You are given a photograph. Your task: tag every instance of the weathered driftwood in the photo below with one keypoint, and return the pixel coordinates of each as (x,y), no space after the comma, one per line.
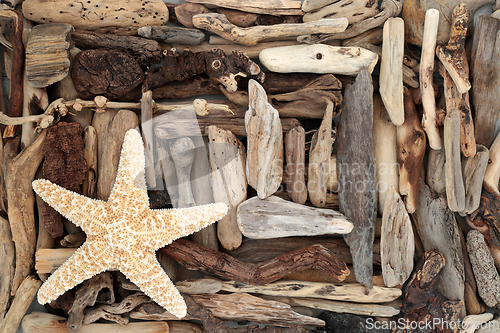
(184,13)
(384,151)
(273,7)
(485,85)
(492,174)
(397,244)
(169,34)
(391,76)
(332,184)
(220,25)
(473,170)
(144,51)
(89,185)
(318,58)
(295,141)
(356,174)
(345,292)
(423,301)
(274,217)
(183,327)
(487,279)
(438,229)
(7,253)
(74,240)
(113,312)
(65,88)
(319,159)
(199,286)
(240,18)
(455,190)
(227,158)
(373,37)
(264,167)
(435,176)
(24,296)
(48,323)
(411,150)
(121,18)
(354,11)
(429,119)
(182,151)
(473,323)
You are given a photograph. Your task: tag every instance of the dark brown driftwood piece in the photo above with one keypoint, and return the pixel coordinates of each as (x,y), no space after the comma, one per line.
(423,301)
(198,257)
(356,174)
(63,165)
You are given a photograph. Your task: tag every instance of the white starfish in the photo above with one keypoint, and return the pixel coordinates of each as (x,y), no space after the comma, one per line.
(123,233)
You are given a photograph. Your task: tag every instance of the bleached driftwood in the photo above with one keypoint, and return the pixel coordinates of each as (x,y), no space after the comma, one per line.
(355,11)
(473,171)
(435,176)
(295,141)
(391,75)
(274,217)
(318,58)
(272,7)
(264,167)
(7,253)
(474,322)
(455,190)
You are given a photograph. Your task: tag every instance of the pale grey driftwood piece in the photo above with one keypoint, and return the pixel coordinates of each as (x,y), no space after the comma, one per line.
(170,34)
(377,310)
(271,7)
(473,171)
(354,10)
(455,190)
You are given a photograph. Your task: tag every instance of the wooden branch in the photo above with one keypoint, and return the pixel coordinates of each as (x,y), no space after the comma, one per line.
(198,257)
(144,51)
(318,58)
(24,296)
(7,255)
(355,152)
(112,312)
(354,11)
(185,12)
(429,120)
(473,171)
(373,37)
(274,217)
(169,34)
(295,164)
(455,190)
(220,25)
(273,7)
(182,152)
(435,177)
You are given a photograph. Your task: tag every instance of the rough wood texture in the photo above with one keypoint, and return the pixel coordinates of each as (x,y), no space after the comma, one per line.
(391,75)
(423,301)
(356,174)
(274,217)
(487,279)
(197,257)
(47,54)
(473,171)
(318,58)
(169,34)
(63,165)
(435,176)
(185,12)
(114,312)
(121,18)
(354,11)
(7,253)
(239,18)
(397,243)
(295,142)
(455,190)
(273,7)
(485,83)
(227,158)
(89,185)
(411,150)
(107,72)
(264,167)
(220,25)
(438,229)
(144,51)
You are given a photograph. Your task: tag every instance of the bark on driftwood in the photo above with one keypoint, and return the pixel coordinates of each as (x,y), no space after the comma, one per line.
(169,34)
(355,152)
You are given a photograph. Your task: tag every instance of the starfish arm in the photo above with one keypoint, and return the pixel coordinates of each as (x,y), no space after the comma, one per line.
(178,223)
(73,206)
(150,277)
(82,265)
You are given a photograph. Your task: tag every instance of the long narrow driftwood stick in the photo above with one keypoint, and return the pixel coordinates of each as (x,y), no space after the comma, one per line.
(455,190)
(7,253)
(473,171)
(295,164)
(273,7)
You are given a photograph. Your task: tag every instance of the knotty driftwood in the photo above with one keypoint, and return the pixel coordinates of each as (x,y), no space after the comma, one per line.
(354,11)
(274,217)
(355,169)
(423,301)
(273,7)
(168,34)
(295,142)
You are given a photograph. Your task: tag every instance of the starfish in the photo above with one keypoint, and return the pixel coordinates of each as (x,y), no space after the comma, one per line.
(123,233)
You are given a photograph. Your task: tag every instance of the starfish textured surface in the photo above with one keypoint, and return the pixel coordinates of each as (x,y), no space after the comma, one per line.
(123,233)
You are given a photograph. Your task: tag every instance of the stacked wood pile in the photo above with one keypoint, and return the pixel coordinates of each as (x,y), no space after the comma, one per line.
(358,160)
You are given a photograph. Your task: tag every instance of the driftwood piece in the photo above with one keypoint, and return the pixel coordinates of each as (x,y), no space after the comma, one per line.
(64,165)
(318,58)
(355,153)
(423,301)
(144,51)
(74,240)
(185,12)
(492,174)
(384,151)
(7,253)
(274,217)
(107,72)
(455,190)
(391,75)
(473,323)
(354,11)
(435,176)
(220,25)
(273,7)
(183,327)
(373,37)
(487,279)
(47,54)
(295,141)
(264,167)
(438,229)
(182,152)
(240,18)
(485,85)
(42,322)
(112,312)
(121,18)
(429,119)
(411,150)
(227,158)
(397,244)
(473,171)
(24,296)
(89,185)
(169,34)
(197,257)
(199,286)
